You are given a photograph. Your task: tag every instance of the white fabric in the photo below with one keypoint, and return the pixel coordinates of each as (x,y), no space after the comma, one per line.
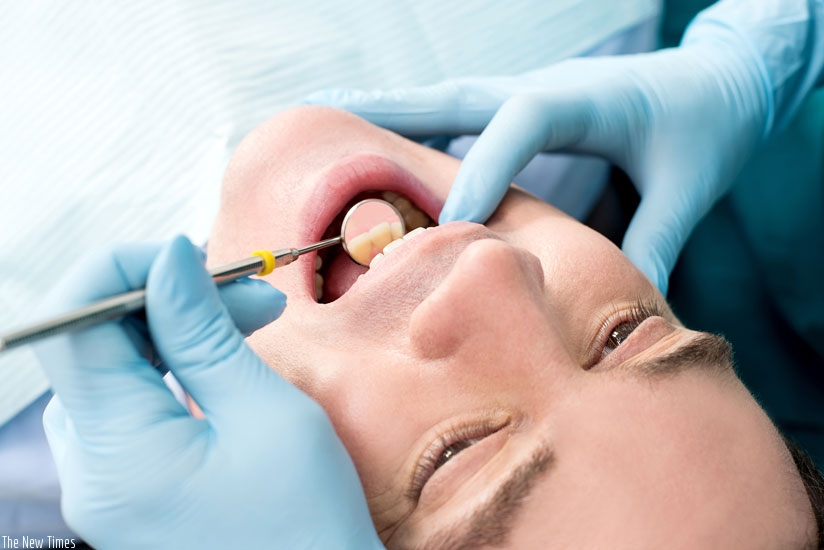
(117,120)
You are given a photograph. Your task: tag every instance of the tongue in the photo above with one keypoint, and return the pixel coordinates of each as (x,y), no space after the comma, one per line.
(341,275)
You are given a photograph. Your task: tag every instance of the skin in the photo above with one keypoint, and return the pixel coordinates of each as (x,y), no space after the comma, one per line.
(496,327)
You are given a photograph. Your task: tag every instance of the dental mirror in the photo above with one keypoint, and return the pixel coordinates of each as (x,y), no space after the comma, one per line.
(369,226)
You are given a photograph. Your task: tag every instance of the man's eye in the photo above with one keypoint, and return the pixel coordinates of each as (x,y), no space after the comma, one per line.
(430,462)
(622,323)
(619,334)
(452,450)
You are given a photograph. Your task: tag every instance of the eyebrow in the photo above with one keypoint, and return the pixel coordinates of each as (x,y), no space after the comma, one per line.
(492,521)
(705,351)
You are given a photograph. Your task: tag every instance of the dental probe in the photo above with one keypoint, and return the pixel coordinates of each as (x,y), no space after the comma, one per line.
(366,213)
(262,262)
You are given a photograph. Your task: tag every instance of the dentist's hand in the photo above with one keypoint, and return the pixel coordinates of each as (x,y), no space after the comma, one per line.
(680,122)
(265,468)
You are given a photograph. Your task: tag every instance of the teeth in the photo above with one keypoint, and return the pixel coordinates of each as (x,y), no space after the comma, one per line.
(381,235)
(360,248)
(397,230)
(412,234)
(403,205)
(318,286)
(366,248)
(366,245)
(392,246)
(395,244)
(413,217)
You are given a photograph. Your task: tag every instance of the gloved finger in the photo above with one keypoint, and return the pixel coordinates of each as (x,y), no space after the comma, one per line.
(657,234)
(248,302)
(196,337)
(56,427)
(66,449)
(245,299)
(453,107)
(102,379)
(523,127)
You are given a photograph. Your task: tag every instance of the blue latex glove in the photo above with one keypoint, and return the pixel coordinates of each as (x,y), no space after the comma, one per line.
(680,122)
(265,469)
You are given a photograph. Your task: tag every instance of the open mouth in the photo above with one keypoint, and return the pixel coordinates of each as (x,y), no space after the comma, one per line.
(335,271)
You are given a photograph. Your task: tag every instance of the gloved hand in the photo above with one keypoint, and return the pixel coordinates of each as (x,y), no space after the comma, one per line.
(265,468)
(680,122)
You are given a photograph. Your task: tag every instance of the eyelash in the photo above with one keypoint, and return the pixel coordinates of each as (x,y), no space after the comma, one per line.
(639,312)
(431,459)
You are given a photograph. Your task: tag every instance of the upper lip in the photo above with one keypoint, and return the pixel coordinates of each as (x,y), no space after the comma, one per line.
(343,181)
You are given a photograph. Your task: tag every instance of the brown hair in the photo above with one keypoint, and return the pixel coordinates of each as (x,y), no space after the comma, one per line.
(813,484)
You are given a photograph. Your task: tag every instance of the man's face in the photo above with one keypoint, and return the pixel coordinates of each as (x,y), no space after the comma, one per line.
(520,376)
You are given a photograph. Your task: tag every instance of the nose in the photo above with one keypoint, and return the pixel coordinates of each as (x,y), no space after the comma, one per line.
(482,339)
(494,293)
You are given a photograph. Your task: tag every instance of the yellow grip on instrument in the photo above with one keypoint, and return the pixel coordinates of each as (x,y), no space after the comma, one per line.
(268,261)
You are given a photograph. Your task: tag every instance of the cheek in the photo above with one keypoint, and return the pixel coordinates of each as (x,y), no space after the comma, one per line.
(373,400)
(378,408)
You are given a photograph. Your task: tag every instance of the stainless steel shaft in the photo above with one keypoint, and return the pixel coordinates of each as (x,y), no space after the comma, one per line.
(116,307)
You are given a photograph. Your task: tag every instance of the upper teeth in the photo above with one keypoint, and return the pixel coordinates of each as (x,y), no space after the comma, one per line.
(395,244)
(412,234)
(364,247)
(413,217)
